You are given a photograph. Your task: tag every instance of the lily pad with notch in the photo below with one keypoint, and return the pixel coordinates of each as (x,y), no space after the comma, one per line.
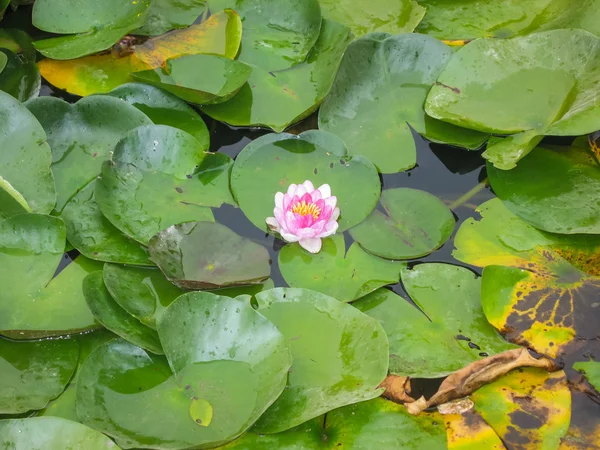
(343,275)
(271,163)
(208,255)
(413,223)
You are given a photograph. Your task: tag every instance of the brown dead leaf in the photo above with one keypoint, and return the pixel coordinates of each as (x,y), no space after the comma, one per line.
(397,389)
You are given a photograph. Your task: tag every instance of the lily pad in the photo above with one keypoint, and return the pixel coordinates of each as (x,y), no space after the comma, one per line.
(362,16)
(201,327)
(19,77)
(339,355)
(25,158)
(32,306)
(332,271)
(364,425)
(218,35)
(413,224)
(11,202)
(165,15)
(449,331)
(145,293)
(547,86)
(277,34)
(116,319)
(271,163)
(379,95)
(160,176)
(277,99)
(553,189)
(95,237)
(163,108)
(91,26)
(33,373)
(52,433)
(82,136)
(537,288)
(221,78)
(591,370)
(204,255)
(119,380)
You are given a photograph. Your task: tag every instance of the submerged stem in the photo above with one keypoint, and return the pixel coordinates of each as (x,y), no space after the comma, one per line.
(469,195)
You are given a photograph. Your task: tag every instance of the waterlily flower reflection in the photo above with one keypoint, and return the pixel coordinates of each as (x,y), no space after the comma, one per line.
(305,215)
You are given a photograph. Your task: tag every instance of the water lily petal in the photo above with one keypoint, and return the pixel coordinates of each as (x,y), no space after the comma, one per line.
(316,195)
(308,186)
(279,200)
(279,215)
(287,237)
(273,224)
(287,201)
(312,245)
(325,190)
(292,189)
(335,215)
(331,201)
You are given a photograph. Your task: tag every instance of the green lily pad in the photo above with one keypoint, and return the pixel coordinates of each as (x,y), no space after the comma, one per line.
(18,77)
(591,370)
(277,99)
(340,355)
(362,16)
(116,319)
(18,42)
(365,425)
(165,15)
(52,433)
(32,306)
(448,19)
(94,236)
(145,293)
(373,105)
(119,380)
(553,189)
(332,271)
(11,201)
(201,327)
(160,176)
(25,158)
(33,373)
(449,331)
(271,163)
(91,26)
(163,108)
(220,35)
(538,288)
(277,34)
(547,86)
(82,136)
(204,255)
(3,61)
(221,78)
(414,223)
(64,405)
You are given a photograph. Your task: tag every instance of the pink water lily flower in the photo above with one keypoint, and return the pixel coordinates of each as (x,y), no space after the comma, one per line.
(305,215)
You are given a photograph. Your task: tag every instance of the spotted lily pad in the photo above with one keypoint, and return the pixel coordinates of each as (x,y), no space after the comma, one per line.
(277,34)
(343,275)
(538,288)
(547,86)
(82,136)
(19,76)
(163,108)
(279,98)
(221,78)
(363,16)
(553,189)
(204,255)
(25,158)
(31,246)
(412,224)
(379,94)
(201,327)
(165,15)
(91,26)
(447,333)
(349,348)
(160,176)
(95,237)
(218,35)
(34,373)
(271,163)
(591,370)
(52,433)
(116,319)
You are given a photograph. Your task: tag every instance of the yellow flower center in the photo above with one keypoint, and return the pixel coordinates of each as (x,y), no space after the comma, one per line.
(305,209)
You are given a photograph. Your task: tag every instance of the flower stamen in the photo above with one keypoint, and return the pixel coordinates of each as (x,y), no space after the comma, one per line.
(304,209)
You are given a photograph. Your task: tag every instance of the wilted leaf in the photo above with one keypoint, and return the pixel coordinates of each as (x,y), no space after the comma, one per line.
(468,431)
